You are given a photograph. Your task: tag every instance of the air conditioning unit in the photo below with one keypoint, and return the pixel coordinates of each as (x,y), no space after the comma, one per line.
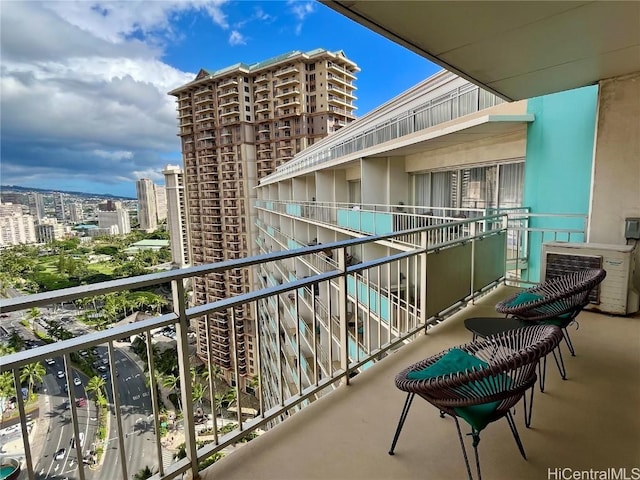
(617,293)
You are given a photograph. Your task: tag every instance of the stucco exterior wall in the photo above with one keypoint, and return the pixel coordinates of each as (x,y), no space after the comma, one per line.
(616,179)
(486,150)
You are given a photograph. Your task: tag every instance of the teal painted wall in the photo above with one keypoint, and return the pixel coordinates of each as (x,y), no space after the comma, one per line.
(557,175)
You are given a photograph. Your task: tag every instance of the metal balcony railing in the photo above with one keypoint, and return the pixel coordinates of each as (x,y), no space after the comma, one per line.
(368,309)
(456,103)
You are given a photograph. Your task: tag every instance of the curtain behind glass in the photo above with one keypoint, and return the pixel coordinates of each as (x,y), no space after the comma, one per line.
(511,185)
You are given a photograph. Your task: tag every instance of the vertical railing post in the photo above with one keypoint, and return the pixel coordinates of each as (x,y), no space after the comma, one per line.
(179,307)
(116,409)
(154,401)
(342,306)
(23,424)
(74,413)
(424,245)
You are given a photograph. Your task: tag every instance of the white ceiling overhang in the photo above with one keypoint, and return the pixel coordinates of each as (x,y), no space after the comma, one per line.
(517,50)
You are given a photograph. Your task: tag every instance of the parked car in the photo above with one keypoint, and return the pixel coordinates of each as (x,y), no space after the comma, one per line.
(77,382)
(60,454)
(103,368)
(104,376)
(60,374)
(50,361)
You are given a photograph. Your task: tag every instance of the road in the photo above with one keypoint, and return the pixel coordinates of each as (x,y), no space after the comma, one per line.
(137,419)
(60,431)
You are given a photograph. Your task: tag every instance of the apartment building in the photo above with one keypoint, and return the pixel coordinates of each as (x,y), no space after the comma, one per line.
(147,215)
(177,221)
(442,151)
(59,206)
(36,205)
(116,222)
(49,230)
(15,227)
(76,212)
(236,126)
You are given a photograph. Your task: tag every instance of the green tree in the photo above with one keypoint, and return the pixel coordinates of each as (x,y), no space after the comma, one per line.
(197,393)
(15,342)
(144,474)
(96,385)
(32,373)
(7,387)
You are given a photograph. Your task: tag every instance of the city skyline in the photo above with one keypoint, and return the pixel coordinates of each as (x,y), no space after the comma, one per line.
(85,103)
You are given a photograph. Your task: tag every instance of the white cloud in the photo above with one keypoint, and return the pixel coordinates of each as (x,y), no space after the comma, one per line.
(82,99)
(115,21)
(113,155)
(236,38)
(300,10)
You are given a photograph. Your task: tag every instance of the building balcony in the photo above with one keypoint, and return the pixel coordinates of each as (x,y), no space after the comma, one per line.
(350,414)
(344,81)
(286,71)
(287,81)
(339,91)
(203,98)
(336,100)
(226,113)
(334,67)
(228,82)
(261,79)
(262,108)
(287,93)
(233,101)
(261,88)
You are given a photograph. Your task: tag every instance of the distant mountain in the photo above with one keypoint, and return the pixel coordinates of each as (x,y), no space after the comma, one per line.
(16,188)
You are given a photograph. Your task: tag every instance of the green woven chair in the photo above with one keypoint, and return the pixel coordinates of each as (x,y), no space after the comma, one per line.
(557,301)
(479,382)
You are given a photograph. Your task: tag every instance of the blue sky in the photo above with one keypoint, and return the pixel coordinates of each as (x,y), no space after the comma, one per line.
(84,104)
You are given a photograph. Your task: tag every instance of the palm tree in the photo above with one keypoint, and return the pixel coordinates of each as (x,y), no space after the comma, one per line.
(197,393)
(144,474)
(32,373)
(32,314)
(171,382)
(96,386)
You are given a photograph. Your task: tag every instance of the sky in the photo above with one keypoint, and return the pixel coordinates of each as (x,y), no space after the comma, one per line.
(84,104)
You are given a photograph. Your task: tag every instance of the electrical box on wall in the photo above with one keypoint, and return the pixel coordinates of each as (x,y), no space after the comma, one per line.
(632,228)
(616,294)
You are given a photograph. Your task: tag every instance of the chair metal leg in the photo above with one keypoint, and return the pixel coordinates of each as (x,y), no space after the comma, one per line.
(403,417)
(464,450)
(560,362)
(542,372)
(567,339)
(527,414)
(514,431)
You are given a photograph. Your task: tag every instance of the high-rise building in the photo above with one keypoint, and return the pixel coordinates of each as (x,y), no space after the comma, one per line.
(161,203)
(15,227)
(238,125)
(109,206)
(58,203)
(177,223)
(76,212)
(48,230)
(36,205)
(118,218)
(147,216)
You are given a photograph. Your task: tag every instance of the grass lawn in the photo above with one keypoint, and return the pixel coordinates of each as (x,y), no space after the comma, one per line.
(105,268)
(50,264)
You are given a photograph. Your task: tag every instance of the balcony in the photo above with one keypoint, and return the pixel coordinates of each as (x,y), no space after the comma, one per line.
(341,70)
(367,412)
(286,71)
(352,424)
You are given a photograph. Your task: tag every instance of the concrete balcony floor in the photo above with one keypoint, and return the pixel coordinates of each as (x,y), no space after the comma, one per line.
(589,421)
